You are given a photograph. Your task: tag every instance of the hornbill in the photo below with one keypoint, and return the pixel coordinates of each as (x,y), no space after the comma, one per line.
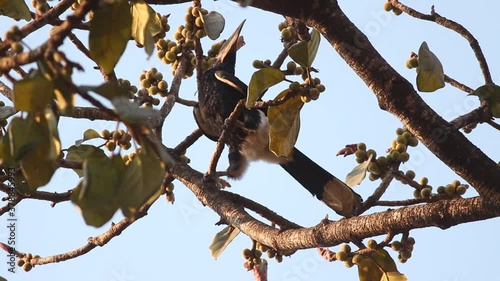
(219,93)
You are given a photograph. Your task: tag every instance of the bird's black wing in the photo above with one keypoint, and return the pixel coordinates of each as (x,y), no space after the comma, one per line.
(207,130)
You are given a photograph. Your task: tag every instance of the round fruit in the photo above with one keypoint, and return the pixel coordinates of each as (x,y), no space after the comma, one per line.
(361,146)
(425,192)
(388,6)
(372,244)
(110,145)
(105,134)
(361,154)
(405,254)
(298,71)
(282,25)
(450,190)
(461,189)
(286,34)
(290,66)
(314,93)
(410,174)
(345,248)
(341,255)
(294,86)
(162,85)
(396,245)
(397,11)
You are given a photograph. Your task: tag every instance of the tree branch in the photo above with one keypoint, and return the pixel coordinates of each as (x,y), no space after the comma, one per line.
(442,214)
(100,240)
(458,28)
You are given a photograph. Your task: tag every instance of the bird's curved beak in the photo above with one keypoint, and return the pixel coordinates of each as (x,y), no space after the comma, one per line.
(233,43)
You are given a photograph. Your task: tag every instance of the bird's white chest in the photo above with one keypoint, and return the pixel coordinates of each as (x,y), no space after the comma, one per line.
(256,144)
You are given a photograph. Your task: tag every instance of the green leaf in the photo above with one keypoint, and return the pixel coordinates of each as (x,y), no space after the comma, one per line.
(25,135)
(65,97)
(83,152)
(16,9)
(222,240)
(313,46)
(304,52)
(88,135)
(131,112)
(6,112)
(6,157)
(284,124)
(50,126)
(37,169)
(490,93)
(33,93)
(41,162)
(357,174)
(21,183)
(109,34)
(213,24)
(141,182)
(261,80)
(379,266)
(145,24)
(430,74)
(109,90)
(96,194)
(154,26)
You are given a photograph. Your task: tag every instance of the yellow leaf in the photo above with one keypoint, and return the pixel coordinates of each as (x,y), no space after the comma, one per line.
(110,30)
(222,240)
(430,74)
(261,80)
(16,9)
(304,52)
(145,24)
(284,124)
(33,93)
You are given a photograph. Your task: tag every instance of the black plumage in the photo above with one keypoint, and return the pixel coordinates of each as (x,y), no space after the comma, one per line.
(219,93)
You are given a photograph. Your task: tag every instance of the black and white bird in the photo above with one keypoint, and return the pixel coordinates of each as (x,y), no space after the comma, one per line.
(219,93)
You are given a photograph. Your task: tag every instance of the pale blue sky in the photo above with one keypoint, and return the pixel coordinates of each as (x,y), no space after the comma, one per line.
(171,243)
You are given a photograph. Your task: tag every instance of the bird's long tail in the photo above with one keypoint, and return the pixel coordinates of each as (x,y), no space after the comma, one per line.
(325,186)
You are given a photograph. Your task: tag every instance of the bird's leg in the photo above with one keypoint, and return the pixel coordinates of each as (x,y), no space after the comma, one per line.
(215,177)
(237,162)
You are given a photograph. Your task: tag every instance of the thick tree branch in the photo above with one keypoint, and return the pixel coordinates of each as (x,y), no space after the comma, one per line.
(442,214)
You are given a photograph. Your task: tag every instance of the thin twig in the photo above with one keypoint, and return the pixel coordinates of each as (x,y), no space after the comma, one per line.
(458,28)
(10,205)
(457,84)
(100,240)
(55,40)
(230,123)
(262,210)
(387,179)
(188,141)
(479,115)
(493,124)
(34,25)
